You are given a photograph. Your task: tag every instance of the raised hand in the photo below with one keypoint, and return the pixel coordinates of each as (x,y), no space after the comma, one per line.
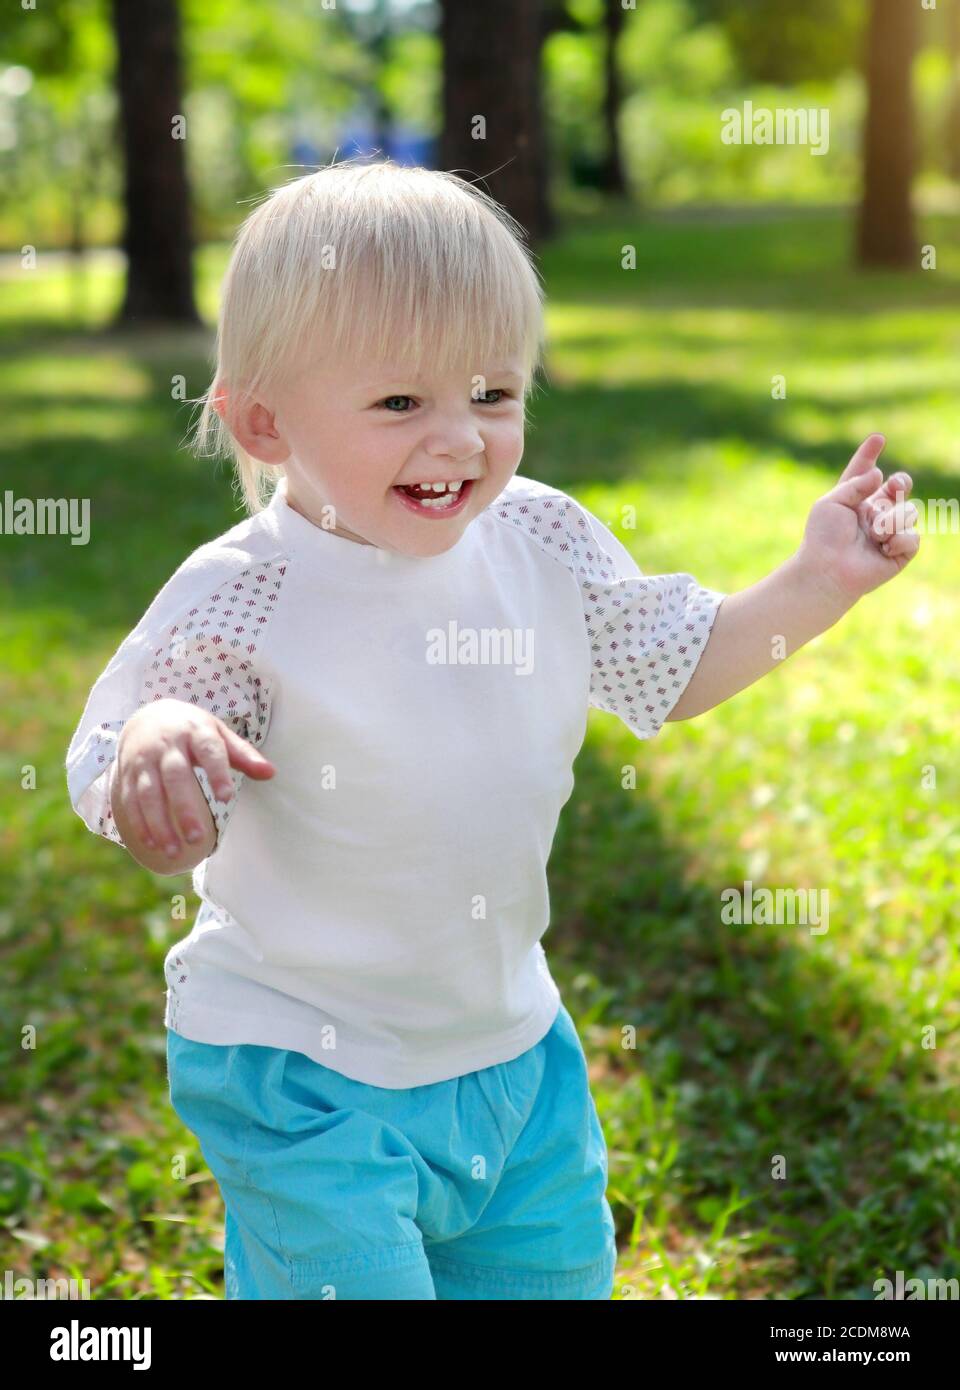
(859,535)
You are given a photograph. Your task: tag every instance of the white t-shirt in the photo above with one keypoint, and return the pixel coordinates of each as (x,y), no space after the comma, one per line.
(378,904)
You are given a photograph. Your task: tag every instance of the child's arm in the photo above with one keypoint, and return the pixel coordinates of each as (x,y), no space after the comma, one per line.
(177,711)
(843,555)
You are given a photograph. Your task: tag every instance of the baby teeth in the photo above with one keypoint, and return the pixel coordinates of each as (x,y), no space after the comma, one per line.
(434,502)
(441,487)
(448,494)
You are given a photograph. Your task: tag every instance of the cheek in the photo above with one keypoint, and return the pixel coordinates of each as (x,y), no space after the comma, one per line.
(363,479)
(377,457)
(507,438)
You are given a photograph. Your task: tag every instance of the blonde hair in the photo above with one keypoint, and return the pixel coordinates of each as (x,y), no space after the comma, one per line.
(367,262)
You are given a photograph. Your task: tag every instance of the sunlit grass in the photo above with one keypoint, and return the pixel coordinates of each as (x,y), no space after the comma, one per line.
(752,1041)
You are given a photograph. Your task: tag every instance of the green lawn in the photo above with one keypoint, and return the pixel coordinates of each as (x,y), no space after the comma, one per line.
(752,1042)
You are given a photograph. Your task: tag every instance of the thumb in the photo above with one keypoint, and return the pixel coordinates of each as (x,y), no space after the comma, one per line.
(243,756)
(854,490)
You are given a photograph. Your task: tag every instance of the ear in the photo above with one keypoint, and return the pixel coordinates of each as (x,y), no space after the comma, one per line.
(253,426)
(218,399)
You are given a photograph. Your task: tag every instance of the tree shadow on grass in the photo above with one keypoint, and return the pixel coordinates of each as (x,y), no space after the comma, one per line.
(569,446)
(786,1052)
(765,1045)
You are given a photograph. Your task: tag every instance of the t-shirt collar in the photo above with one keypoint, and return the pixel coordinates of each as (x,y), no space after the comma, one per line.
(338,554)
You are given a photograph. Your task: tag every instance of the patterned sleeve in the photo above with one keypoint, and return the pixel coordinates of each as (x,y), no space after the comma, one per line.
(647,632)
(198,642)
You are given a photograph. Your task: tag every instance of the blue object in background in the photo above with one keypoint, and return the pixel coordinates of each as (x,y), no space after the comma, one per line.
(412,147)
(357,138)
(307,153)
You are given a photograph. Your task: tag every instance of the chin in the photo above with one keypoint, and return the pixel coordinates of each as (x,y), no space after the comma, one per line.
(425,551)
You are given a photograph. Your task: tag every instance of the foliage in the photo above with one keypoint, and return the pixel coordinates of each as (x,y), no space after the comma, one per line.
(750,1042)
(810,42)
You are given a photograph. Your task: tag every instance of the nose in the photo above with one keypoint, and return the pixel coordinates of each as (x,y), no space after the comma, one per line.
(457,440)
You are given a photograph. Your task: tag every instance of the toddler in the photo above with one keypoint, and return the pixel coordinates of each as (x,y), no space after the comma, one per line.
(354,717)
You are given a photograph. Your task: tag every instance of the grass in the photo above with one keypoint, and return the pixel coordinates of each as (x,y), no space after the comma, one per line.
(782,1127)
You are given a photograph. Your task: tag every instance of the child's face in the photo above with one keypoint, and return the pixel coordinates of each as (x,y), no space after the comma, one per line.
(356,435)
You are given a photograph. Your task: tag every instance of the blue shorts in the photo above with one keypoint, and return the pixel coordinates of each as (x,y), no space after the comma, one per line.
(487,1186)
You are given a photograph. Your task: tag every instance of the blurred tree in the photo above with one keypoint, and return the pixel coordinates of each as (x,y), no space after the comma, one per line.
(814,41)
(157,237)
(593,163)
(820,40)
(952,131)
(492,116)
(612,178)
(885,234)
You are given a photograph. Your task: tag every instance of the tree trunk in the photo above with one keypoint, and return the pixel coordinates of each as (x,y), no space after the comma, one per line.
(611,173)
(885,235)
(953,112)
(492,118)
(157,234)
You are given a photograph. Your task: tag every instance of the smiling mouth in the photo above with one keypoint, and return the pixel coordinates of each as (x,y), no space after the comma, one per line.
(435,499)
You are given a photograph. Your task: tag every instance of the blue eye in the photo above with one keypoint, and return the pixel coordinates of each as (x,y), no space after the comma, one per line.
(499,392)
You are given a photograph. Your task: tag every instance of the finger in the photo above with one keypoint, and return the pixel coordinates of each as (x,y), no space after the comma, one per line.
(891,520)
(243,756)
(898,483)
(895,489)
(185,799)
(902,546)
(148,784)
(131,805)
(865,457)
(878,504)
(208,750)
